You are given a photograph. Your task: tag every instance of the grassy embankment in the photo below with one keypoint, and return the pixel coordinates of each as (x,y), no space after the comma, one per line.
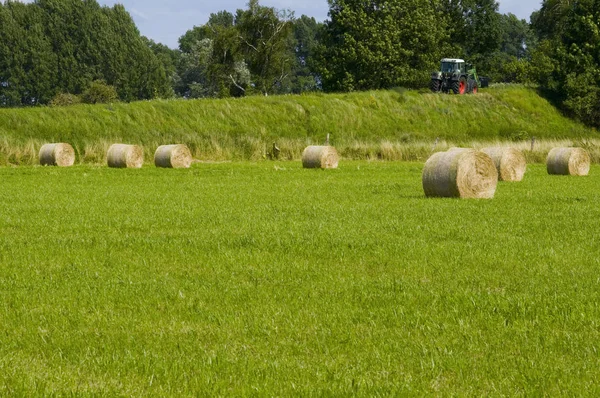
(270,280)
(387,125)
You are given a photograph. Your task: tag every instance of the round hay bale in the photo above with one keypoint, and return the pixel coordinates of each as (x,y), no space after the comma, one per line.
(58,154)
(320,157)
(568,161)
(510,162)
(173,156)
(460,173)
(125,156)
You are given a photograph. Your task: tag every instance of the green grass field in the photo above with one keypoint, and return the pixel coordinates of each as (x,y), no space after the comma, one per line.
(266,279)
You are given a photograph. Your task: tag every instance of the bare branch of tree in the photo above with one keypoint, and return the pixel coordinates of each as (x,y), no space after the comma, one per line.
(236,84)
(248,44)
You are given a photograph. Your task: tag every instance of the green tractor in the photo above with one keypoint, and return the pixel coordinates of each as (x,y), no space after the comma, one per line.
(457,77)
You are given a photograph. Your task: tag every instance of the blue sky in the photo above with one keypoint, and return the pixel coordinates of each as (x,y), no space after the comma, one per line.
(165,21)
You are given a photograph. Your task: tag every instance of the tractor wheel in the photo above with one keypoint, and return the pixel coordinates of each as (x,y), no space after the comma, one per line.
(471,86)
(435,85)
(460,86)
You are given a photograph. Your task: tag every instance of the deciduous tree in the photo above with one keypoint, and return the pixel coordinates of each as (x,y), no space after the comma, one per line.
(61,46)
(567,62)
(372,44)
(264,34)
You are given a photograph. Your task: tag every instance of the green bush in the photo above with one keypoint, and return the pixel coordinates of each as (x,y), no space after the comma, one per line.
(100,93)
(65,99)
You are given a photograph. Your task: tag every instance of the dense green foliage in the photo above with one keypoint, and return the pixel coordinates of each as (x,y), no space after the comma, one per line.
(51,49)
(362,125)
(479,27)
(99,93)
(65,99)
(61,46)
(511,62)
(264,32)
(567,61)
(475,30)
(168,58)
(211,63)
(242,280)
(386,43)
(380,44)
(365,45)
(257,50)
(307,37)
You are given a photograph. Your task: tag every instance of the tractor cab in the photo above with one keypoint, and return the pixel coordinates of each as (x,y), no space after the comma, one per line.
(453,65)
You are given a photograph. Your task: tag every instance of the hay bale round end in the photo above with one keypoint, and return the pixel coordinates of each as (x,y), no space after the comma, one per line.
(176,156)
(57,154)
(125,156)
(568,161)
(510,162)
(460,173)
(320,157)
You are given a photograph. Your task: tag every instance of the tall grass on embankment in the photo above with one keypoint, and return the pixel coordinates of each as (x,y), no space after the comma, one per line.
(389,125)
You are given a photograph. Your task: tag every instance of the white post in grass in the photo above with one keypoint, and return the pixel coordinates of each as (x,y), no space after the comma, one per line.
(435,144)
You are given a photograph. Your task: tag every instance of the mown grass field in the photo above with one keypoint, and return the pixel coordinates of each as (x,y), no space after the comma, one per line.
(388,125)
(266,279)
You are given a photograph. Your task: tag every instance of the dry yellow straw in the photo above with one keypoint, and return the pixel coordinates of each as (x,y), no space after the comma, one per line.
(58,154)
(320,157)
(173,156)
(460,173)
(510,162)
(125,156)
(568,161)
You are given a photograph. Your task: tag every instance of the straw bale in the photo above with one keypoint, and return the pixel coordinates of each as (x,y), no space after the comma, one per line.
(460,173)
(320,157)
(176,156)
(125,156)
(510,162)
(57,154)
(568,161)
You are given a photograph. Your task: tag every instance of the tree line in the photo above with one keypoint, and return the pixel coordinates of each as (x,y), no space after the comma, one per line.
(61,46)
(71,50)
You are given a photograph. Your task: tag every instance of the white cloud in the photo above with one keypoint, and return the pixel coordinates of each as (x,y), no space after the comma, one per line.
(134,12)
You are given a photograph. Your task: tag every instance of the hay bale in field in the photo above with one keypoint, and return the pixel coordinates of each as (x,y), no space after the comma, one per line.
(460,173)
(510,162)
(320,157)
(125,156)
(173,156)
(568,161)
(57,154)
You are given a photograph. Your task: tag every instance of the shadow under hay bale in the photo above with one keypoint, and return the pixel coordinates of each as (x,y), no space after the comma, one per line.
(568,161)
(460,173)
(176,156)
(57,154)
(510,162)
(125,156)
(320,157)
